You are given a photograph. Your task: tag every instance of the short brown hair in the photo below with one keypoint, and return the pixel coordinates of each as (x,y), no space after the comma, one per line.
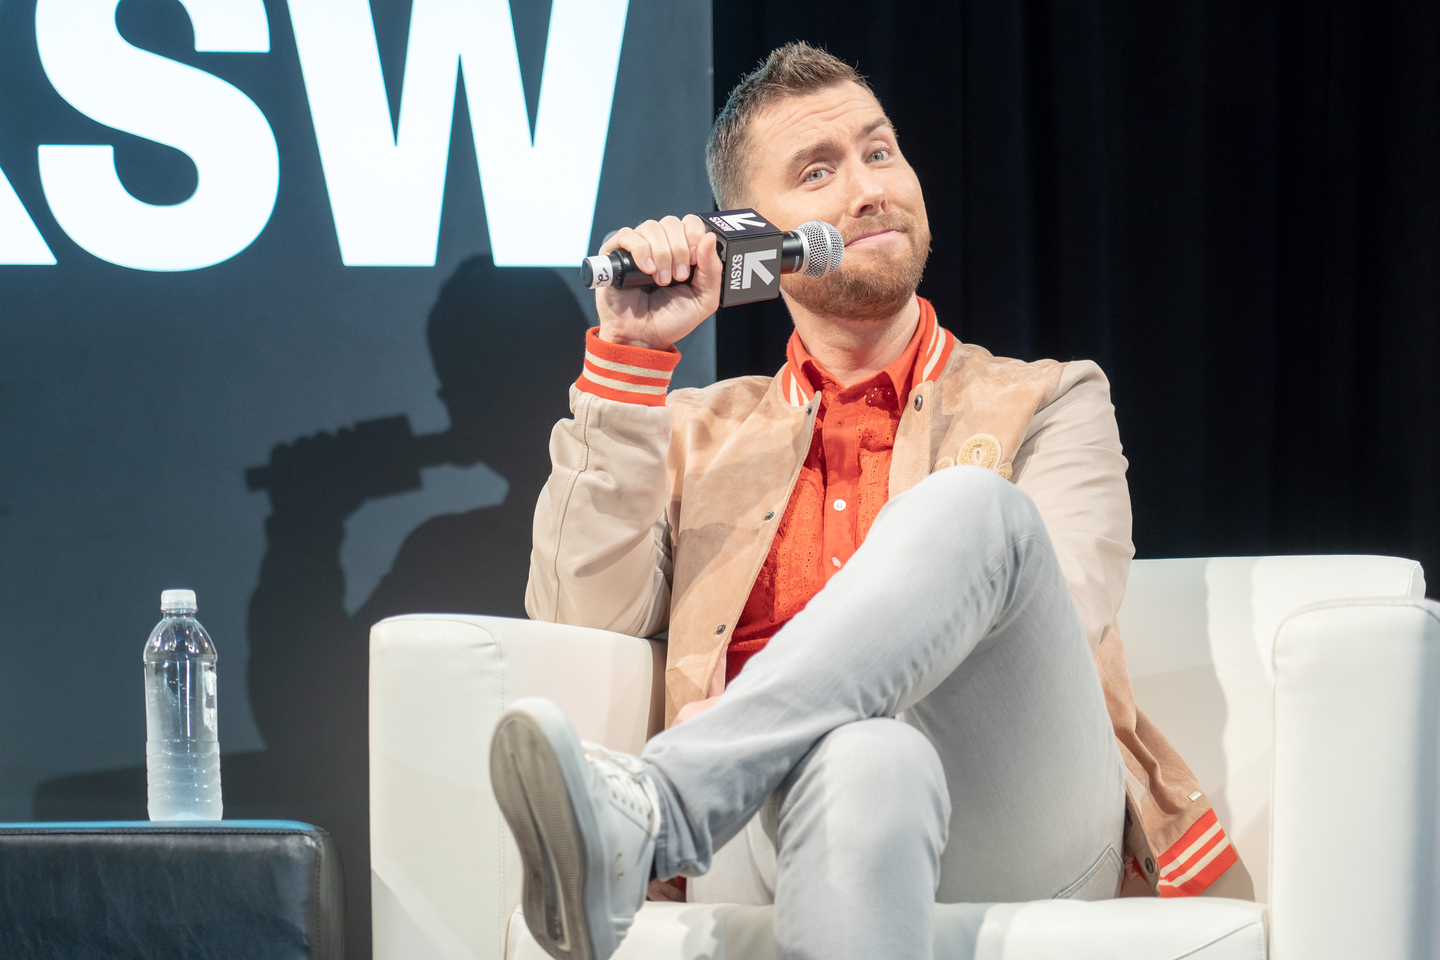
(790,71)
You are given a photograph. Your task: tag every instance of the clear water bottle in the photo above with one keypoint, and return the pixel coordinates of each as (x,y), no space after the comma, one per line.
(182,750)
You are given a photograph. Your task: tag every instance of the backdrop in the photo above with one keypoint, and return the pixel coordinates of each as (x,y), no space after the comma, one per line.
(1232,205)
(287,287)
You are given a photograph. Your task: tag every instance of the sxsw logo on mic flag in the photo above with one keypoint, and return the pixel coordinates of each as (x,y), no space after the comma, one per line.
(745,266)
(740,222)
(384,174)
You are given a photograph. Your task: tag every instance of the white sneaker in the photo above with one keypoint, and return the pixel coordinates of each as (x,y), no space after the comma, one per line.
(585,819)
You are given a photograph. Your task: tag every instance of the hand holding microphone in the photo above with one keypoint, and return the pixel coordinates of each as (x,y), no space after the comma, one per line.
(657,282)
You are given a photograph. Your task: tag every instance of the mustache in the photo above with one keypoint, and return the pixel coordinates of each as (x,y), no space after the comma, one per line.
(889,221)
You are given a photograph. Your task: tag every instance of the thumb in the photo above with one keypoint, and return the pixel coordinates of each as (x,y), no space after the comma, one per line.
(709,270)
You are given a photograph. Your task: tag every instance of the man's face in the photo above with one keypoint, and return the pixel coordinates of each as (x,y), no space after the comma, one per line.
(832,156)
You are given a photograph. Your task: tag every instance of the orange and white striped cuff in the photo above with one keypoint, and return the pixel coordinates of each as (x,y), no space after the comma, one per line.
(628,374)
(1196,860)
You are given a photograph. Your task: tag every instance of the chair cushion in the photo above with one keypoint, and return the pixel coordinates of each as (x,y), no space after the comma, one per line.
(1142,928)
(188,890)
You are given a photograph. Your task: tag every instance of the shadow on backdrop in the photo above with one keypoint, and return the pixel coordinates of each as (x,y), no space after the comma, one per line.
(506,343)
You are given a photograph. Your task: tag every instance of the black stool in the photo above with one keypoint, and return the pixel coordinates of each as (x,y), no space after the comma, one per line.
(188,890)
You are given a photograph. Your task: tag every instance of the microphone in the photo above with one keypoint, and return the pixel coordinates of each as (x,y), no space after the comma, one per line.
(750,247)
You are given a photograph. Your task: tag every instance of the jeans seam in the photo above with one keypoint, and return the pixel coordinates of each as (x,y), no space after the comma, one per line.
(1100,861)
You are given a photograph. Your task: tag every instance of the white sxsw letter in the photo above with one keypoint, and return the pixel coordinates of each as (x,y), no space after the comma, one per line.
(20,242)
(386,190)
(130,89)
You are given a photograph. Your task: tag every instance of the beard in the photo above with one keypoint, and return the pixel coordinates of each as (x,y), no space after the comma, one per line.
(875,291)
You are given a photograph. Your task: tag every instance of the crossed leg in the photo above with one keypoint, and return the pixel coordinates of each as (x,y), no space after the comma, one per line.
(955,617)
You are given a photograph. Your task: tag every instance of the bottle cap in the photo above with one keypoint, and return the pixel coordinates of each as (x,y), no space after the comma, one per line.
(177,600)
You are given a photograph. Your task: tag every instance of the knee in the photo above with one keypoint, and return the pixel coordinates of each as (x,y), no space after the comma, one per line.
(880,779)
(971,485)
(964,497)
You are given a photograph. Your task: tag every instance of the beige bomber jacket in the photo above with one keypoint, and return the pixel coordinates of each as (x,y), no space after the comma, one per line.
(660,510)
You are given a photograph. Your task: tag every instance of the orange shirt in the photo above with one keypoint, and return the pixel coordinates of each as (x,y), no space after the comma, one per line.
(843,483)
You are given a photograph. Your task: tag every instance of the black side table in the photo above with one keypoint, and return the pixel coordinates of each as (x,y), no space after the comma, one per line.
(188,890)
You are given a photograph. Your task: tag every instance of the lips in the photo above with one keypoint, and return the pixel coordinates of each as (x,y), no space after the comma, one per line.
(873,237)
(878,230)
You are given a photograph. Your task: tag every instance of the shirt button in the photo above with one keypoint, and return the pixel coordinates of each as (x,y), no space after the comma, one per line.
(839,504)
(835,560)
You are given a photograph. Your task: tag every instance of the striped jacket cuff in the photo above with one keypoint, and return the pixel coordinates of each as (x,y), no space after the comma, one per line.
(1196,860)
(628,374)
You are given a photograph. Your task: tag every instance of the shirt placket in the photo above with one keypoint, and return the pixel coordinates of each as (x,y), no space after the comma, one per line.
(840,435)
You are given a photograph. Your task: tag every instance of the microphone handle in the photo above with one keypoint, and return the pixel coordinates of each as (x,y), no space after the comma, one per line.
(388,443)
(625,275)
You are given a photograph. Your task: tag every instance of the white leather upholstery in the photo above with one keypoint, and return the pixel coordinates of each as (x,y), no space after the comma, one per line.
(1135,929)
(1198,637)
(1357,687)
(1335,718)
(444,871)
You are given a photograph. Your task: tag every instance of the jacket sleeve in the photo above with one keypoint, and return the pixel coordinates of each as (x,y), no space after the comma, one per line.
(1071,465)
(601,554)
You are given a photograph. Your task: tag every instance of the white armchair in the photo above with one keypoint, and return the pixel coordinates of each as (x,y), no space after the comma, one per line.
(1312,719)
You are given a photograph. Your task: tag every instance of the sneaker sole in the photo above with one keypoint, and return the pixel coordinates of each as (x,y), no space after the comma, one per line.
(537,771)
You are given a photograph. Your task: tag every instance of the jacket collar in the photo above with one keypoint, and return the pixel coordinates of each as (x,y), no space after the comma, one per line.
(931,346)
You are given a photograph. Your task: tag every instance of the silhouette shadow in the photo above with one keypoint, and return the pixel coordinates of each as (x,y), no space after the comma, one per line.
(505,343)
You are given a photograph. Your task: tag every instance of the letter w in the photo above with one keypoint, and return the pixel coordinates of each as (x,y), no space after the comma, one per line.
(386,188)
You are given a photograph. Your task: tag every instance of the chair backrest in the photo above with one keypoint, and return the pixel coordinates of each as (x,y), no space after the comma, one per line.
(1199,636)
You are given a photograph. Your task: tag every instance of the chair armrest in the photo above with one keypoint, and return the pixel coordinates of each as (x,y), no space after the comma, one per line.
(1352,851)
(445,873)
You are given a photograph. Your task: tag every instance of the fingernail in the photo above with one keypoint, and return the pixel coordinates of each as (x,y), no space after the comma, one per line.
(649,266)
(664,277)
(682,270)
(694,254)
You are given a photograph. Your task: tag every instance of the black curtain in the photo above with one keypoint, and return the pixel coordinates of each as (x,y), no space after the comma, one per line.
(1232,206)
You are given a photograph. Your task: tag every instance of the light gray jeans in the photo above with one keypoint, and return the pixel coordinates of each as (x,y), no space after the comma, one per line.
(930,726)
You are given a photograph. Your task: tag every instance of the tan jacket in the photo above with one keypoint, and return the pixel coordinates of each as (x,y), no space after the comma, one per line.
(659,517)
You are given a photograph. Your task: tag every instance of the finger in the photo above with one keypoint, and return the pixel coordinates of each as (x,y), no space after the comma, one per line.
(694,231)
(654,235)
(633,243)
(707,257)
(708,272)
(679,247)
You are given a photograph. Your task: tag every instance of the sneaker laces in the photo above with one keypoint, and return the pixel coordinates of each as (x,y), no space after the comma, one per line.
(627,782)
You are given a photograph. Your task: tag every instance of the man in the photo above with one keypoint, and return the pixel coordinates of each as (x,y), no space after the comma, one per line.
(879,571)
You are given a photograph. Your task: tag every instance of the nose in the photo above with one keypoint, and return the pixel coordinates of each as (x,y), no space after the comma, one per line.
(867,196)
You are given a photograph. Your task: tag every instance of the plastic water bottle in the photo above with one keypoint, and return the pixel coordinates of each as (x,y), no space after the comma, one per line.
(182,751)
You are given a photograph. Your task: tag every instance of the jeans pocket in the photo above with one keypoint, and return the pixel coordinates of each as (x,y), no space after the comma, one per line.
(1100,882)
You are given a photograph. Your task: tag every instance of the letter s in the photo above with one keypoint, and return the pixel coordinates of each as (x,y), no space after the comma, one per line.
(130,89)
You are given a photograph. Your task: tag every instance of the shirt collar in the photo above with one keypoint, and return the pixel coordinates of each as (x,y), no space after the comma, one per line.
(923,358)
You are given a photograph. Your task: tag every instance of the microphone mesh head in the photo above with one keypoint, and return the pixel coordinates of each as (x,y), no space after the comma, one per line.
(824,248)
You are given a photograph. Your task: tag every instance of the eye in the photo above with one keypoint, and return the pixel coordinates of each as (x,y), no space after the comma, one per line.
(814,176)
(879,155)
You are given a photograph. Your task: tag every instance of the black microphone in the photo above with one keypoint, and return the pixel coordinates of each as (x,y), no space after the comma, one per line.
(750,248)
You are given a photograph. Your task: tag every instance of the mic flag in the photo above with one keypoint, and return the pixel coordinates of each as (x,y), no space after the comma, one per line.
(750,250)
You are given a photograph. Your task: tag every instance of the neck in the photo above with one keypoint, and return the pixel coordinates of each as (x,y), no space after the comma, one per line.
(854,350)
